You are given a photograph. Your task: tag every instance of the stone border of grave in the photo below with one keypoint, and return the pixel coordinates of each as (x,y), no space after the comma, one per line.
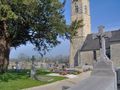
(67,76)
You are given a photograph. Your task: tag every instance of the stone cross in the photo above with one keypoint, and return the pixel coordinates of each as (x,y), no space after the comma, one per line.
(101,35)
(33,69)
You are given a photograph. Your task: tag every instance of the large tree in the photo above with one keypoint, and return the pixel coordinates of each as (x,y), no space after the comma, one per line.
(39,22)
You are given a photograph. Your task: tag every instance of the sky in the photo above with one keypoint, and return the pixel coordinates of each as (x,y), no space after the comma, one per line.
(103,12)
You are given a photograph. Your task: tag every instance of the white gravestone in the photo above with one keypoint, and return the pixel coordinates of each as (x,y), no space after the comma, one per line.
(33,71)
(18,67)
(33,68)
(104,67)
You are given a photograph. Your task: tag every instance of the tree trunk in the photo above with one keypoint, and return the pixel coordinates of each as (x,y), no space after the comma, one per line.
(4,55)
(4,47)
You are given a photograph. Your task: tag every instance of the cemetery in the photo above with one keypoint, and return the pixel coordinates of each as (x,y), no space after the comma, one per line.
(34,73)
(93,60)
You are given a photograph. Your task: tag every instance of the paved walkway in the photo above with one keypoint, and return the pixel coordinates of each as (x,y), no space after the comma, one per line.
(58,85)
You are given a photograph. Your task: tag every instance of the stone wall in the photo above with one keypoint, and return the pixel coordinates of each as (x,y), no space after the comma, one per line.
(115,54)
(87,57)
(97,53)
(74,48)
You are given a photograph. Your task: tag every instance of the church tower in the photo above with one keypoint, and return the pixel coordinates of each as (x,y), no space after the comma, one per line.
(80,10)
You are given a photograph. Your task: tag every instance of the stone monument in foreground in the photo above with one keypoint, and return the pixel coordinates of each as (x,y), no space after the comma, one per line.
(103,76)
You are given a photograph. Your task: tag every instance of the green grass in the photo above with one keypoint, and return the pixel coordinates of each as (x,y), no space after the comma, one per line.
(43,72)
(24,83)
(18,81)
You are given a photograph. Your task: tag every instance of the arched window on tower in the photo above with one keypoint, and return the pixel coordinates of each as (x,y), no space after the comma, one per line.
(74,0)
(76,8)
(86,10)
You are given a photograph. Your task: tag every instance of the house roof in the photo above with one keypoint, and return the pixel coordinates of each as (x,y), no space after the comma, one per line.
(93,44)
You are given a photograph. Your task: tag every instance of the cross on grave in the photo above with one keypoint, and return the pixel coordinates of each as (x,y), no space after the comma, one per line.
(33,69)
(101,35)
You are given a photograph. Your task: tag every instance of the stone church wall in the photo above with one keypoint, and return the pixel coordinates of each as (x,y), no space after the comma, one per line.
(115,54)
(87,57)
(97,54)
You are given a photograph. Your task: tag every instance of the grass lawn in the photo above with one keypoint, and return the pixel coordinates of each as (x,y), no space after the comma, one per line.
(18,81)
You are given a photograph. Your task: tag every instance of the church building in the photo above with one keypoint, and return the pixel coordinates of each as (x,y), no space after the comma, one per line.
(84,50)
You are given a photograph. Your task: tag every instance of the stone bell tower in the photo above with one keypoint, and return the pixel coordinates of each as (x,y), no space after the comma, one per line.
(80,10)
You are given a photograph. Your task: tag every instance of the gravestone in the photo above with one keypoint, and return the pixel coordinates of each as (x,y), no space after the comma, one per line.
(104,63)
(104,67)
(18,67)
(33,68)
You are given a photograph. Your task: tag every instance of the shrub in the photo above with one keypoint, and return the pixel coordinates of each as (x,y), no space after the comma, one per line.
(4,77)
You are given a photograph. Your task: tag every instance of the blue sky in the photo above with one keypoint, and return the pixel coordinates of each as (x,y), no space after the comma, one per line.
(103,12)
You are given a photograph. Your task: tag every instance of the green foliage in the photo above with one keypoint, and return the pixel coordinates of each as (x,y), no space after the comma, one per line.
(39,22)
(72,29)
(6,12)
